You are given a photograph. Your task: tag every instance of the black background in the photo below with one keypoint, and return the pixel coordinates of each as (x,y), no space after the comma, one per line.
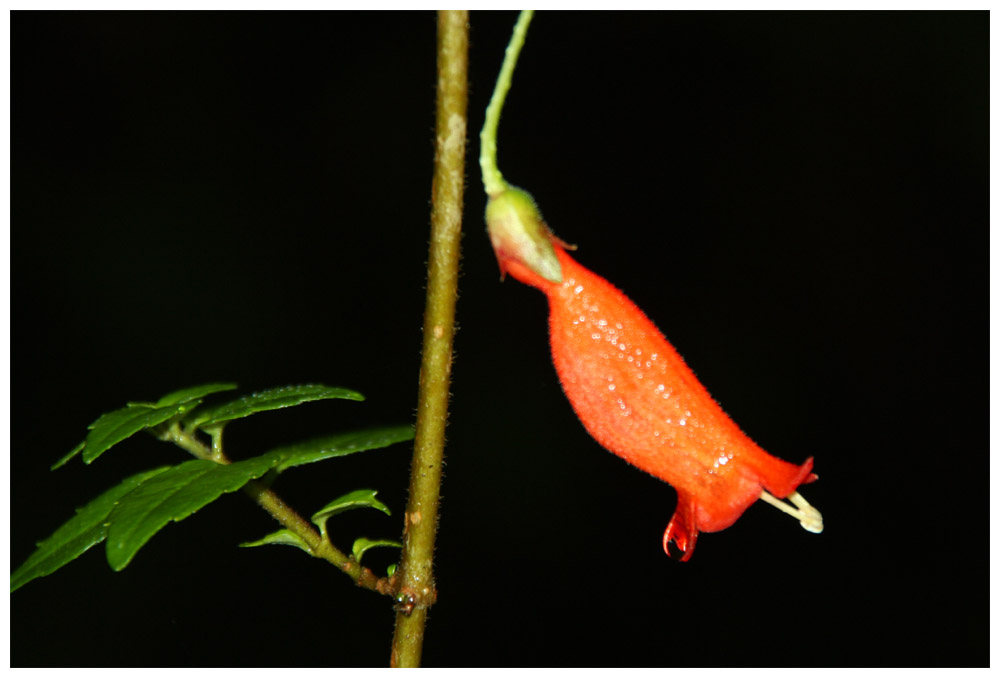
(799,200)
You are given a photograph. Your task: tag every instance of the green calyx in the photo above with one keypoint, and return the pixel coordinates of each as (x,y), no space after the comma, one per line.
(515,225)
(519,234)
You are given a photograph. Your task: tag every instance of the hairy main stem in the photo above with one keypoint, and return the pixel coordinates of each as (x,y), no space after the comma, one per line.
(416,586)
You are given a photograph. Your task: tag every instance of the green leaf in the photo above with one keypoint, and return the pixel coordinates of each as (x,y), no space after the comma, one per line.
(280,537)
(391,570)
(362,544)
(184,489)
(339,445)
(271,399)
(87,528)
(72,453)
(351,500)
(172,496)
(113,427)
(129,514)
(193,393)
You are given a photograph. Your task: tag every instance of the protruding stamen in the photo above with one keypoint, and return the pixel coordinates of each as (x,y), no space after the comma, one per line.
(810,519)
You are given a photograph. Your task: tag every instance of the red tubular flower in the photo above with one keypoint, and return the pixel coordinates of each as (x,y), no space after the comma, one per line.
(633,392)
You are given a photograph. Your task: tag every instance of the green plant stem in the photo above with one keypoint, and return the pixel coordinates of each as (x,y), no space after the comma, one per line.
(282,512)
(417,589)
(492,178)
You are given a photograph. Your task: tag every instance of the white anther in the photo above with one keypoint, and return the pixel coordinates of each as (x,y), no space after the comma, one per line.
(810,519)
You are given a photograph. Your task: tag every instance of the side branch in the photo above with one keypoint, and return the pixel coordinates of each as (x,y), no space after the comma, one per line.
(417,591)
(283,513)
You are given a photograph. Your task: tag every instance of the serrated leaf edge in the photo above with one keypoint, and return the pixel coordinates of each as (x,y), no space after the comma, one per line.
(180,407)
(373,439)
(175,409)
(211,418)
(119,562)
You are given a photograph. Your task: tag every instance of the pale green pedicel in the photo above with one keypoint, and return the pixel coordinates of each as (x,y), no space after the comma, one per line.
(492,178)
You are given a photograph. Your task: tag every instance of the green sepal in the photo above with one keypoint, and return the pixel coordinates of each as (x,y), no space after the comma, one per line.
(286,537)
(362,544)
(518,233)
(351,500)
